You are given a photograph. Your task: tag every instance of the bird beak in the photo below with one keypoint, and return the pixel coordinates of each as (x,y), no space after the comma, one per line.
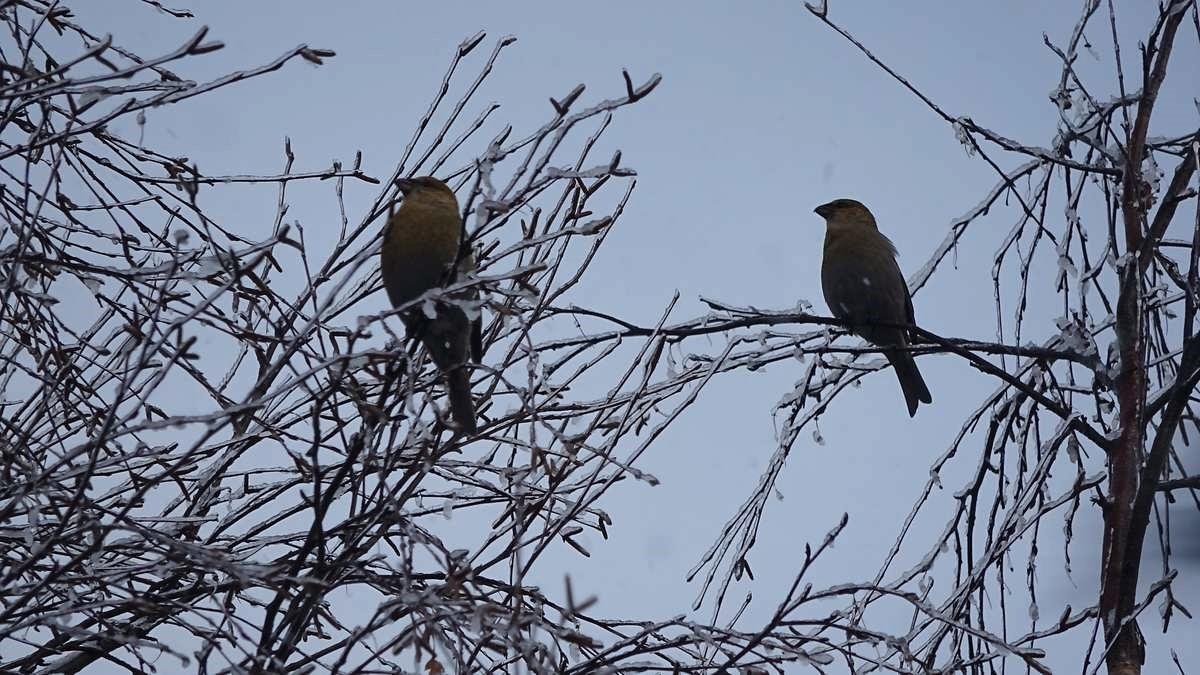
(822,210)
(404,184)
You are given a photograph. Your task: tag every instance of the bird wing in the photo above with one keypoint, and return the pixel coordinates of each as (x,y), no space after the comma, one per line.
(864,285)
(477,340)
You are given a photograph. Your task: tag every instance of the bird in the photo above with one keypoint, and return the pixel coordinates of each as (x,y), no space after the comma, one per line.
(863,286)
(422,249)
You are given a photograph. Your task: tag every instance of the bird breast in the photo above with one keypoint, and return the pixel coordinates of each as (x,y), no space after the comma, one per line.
(421,244)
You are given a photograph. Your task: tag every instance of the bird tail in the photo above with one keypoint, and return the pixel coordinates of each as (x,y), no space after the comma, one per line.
(911,382)
(446,339)
(462,405)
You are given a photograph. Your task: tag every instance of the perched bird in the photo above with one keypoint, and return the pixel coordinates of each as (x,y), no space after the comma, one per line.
(421,247)
(863,285)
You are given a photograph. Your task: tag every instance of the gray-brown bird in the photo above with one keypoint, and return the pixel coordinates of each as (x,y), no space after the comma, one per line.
(863,285)
(420,248)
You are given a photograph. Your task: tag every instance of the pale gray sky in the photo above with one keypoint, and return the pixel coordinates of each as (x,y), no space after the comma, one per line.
(762,114)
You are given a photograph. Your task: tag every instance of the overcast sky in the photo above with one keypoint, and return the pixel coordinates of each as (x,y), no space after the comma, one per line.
(762,114)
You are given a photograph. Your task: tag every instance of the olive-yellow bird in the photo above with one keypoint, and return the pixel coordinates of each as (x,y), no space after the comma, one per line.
(421,251)
(863,285)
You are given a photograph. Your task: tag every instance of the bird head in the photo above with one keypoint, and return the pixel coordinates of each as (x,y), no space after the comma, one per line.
(427,192)
(422,185)
(846,213)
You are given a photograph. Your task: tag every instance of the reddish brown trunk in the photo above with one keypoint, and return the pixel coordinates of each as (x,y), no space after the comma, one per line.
(1126,513)
(1118,583)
